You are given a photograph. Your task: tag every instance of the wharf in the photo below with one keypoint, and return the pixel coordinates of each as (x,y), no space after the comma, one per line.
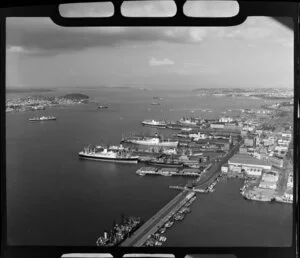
(210,173)
(140,236)
(170,173)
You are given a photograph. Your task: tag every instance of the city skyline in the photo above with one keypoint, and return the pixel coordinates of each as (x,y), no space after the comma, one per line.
(255,54)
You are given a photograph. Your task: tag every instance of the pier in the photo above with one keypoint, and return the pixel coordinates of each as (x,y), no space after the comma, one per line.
(190,174)
(139,237)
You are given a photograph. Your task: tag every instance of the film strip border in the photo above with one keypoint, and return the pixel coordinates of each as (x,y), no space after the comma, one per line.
(247,8)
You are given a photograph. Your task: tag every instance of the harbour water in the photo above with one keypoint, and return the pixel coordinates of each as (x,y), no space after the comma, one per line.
(53,198)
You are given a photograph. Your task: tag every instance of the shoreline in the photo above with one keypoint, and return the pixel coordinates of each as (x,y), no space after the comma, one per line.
(256,193)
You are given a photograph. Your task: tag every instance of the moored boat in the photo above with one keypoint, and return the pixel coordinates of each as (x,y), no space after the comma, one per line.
(42,118)
(155,123)
(151,141)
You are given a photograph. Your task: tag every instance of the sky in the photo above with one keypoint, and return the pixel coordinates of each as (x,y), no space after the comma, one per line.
(41,54)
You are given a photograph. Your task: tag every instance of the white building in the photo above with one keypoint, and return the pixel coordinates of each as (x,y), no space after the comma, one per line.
(225,119)
(281,148)
(198,136)
(224,169)
(283,142)
(287,135)
(290,182)
(248,128)
(248,164)
(289,194)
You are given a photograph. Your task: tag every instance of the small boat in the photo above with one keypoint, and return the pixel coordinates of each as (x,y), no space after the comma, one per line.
(162,230)
(102,107)
(169,224)
(155,103)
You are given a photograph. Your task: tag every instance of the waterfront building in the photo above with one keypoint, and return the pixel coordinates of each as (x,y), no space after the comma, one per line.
(224,169)
(288,195)
(276,161)
(248,164)
(217,125)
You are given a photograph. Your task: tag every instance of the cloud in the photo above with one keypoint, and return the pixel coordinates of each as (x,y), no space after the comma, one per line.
(197,34)
(250,33)
(155,62)
(18,49)
(41,36)
(260,28)
(286,42)
(15,49)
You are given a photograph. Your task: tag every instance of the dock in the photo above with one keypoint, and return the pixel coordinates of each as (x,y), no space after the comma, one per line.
(168,172)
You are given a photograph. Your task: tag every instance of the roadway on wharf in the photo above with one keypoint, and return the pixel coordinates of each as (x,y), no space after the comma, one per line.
(140,236)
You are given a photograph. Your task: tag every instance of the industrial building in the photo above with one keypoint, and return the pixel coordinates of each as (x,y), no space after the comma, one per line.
(248,164)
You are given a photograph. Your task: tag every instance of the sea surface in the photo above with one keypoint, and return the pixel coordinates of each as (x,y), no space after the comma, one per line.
(53,198)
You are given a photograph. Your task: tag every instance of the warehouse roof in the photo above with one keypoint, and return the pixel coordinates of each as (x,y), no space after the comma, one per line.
(247,159)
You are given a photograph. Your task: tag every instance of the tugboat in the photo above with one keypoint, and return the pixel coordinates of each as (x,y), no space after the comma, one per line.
(42,118)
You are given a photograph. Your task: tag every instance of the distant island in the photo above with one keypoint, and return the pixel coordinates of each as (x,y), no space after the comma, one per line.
(39,102)
(262,93)
(75,97)
(21,90)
